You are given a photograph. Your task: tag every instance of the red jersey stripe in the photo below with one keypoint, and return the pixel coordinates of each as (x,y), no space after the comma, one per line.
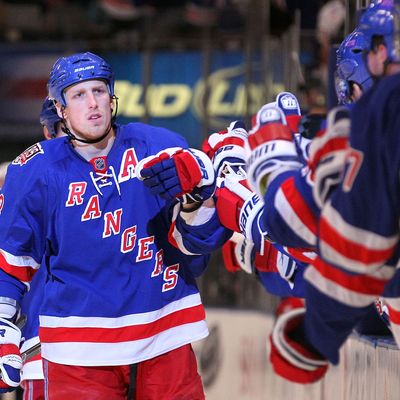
(123,334)
(363,284)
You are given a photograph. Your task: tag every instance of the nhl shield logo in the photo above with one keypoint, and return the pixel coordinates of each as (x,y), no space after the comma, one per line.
(99,164)
(28,154)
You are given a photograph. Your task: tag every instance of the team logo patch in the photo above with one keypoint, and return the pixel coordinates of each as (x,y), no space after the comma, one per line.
(28,154)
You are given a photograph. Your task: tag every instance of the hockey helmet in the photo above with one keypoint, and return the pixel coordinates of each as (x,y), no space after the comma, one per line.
(77,68)
(351,66)
(382,18)
(49,117)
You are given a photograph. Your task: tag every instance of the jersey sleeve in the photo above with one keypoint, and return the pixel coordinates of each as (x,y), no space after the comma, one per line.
(197,232)
(23,221)
(290,213)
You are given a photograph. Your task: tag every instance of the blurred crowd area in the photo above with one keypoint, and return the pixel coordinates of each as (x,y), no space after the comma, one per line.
(126,25)
(152,25)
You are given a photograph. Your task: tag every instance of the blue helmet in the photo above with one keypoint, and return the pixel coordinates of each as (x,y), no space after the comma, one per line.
(49,117)
(77,68)
(351,66)
(382,18)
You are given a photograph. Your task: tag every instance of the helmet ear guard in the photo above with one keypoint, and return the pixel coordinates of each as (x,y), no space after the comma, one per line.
(80,67)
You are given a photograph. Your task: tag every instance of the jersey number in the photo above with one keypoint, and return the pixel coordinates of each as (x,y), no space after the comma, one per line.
(354,161)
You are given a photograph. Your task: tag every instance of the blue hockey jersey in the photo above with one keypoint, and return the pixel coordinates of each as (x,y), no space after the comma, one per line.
(117,292)
(358,239)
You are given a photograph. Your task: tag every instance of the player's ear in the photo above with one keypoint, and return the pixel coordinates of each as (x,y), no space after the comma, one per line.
(382,52)
(60,110)
(46,133)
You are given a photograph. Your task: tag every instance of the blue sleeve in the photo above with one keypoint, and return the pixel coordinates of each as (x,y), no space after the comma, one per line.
(204,238)
(290,214)
(11,287)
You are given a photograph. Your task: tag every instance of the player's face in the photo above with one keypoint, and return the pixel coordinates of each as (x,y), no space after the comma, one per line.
(89,109)
(376,60)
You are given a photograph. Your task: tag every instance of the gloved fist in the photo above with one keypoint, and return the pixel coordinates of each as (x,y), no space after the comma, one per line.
(239,208)
(240,253)
(186,174)
(272,149)
(10,356)
(226,149)
(327,155)
(291,356)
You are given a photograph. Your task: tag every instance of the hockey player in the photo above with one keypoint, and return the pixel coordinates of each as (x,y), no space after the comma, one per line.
(120,305)
(357,246)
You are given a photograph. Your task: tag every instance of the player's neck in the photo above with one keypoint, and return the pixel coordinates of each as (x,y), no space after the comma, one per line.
(91,150)
(393,69)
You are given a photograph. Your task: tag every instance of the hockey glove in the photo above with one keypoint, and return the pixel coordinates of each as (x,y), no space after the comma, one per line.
(239,209)
(238,253)
(272,148)
(186,174)
(226,149)
(328,154)
(290,106)
(291,356)
(10,356)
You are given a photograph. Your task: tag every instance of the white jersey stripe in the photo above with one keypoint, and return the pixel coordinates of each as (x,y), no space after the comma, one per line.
(353,234)
(127,320)
(335,291)
(291,218)
(19,261)
(335,257)
(123,353)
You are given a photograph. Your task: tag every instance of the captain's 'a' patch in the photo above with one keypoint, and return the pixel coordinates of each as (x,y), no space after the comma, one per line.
(28,154)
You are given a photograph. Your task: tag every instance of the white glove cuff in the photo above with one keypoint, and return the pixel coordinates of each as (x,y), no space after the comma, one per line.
(9,333)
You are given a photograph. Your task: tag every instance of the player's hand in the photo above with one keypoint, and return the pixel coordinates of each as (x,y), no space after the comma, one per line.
(186,174)
(10,356)
(239,208)
(291,356)
(226,149)
(272,149)
(328,154)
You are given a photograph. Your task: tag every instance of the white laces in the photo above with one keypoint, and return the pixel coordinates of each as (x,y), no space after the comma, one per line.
(102,179)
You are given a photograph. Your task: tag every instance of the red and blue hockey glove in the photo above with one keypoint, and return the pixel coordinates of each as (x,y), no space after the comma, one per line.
(226,149)
(239,253)
(238,208)
(186,174)
(291,356)
(272,148)
(10,356)
(328,153)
